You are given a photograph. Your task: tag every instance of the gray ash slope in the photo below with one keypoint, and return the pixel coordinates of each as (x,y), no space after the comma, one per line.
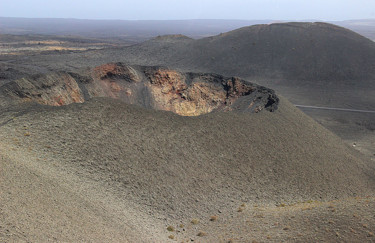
(106,170)
(181,166)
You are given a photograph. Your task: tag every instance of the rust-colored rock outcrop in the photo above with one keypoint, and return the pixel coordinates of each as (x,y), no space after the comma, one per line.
(171,92)
(116,71)
(195,94)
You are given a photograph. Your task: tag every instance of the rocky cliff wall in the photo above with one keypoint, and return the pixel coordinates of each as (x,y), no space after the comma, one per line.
(160,88)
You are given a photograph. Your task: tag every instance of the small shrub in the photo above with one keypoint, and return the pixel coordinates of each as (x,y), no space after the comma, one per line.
(195,221)
(170,228)
(213,218)
(171,237)
(201,234)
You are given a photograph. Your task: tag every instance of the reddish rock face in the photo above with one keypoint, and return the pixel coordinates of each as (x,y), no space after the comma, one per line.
(190,94)
(115,71)
(171,92)
(186,94)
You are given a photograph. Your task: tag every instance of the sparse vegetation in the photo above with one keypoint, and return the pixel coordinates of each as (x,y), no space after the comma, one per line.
(170,228)
(213,218)
(194,221)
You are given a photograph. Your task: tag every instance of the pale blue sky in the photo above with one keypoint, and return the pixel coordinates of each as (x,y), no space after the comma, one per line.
(190,9)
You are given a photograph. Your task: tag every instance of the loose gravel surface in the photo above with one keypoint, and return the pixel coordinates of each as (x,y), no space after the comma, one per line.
(105,171)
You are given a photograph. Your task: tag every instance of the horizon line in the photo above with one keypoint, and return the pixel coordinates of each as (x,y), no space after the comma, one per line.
(101,19)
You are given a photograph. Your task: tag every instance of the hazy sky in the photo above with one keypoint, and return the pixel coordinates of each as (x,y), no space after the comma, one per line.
(190,9)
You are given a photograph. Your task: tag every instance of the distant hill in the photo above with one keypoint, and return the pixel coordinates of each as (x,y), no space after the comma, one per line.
(294,51)
(127,29)
(365,27)
(144,29)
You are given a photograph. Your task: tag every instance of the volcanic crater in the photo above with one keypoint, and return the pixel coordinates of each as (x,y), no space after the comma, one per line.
(160,88)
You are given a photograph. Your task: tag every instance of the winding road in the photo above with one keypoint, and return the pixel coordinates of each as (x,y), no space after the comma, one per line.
(332,108)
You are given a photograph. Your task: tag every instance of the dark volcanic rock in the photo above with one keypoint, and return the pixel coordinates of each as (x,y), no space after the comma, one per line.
(186,94)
